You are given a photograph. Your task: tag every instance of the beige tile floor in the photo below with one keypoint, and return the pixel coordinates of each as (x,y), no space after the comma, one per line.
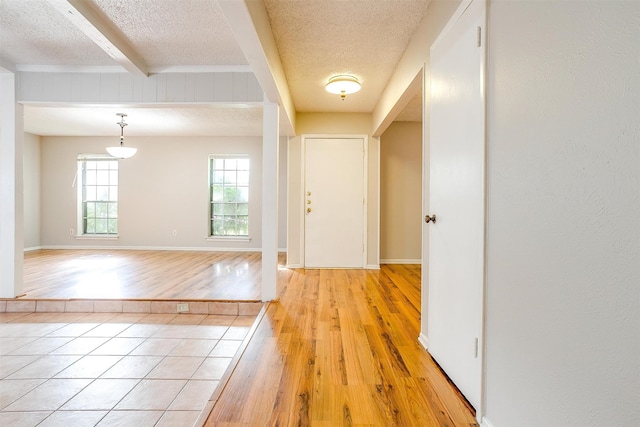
(100,369)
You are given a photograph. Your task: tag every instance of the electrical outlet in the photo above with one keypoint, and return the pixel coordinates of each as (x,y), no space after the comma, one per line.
(183,307)
(175,232)
(71,231)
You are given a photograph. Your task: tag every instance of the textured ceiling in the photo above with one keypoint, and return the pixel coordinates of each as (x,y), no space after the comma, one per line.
(175,32)
(320,38)
(315,40)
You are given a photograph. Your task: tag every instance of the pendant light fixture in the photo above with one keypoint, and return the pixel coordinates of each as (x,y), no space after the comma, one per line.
(343,85)
(120,151)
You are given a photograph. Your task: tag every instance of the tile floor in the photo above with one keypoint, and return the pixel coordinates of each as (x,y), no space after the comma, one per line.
(103,369)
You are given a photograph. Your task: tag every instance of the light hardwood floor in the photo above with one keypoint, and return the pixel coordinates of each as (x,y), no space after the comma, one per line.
(340,349)
(127,274)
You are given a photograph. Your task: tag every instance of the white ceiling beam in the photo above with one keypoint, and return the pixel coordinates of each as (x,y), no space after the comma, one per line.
(95,26)
(250,25)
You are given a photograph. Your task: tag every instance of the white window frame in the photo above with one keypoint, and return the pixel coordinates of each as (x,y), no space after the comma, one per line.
(234,237)
(80,202)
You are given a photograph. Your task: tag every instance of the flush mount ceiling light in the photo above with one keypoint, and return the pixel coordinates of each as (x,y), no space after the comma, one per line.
(343,85)
(120,151)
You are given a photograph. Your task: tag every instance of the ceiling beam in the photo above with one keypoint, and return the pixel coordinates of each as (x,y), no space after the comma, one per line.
(250,25)
(97,27)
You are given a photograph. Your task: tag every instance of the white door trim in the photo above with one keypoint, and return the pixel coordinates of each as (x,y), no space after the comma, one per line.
(302,206)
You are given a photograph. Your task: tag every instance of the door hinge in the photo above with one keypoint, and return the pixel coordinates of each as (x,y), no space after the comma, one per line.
(475,348)
(479,41)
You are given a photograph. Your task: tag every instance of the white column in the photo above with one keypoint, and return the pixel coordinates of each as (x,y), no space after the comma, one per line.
(270,166)
(11,187)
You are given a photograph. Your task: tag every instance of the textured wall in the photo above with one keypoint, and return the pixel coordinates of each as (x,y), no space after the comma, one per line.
(563,293)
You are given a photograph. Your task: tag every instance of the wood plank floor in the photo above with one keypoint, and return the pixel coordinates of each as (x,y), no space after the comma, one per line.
(340,349)
(128,274)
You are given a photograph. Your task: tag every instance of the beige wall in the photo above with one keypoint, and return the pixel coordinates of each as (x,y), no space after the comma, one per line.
(327,124)
(162,188)
(31,170)
(401,193)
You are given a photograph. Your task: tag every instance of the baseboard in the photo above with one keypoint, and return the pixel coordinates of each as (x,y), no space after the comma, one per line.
(294,266)
(485,422)
(422,338)
(152,248)
(400,261)
(32,248)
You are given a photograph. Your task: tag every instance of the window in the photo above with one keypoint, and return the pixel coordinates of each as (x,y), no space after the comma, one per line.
(229,195)
(98,195)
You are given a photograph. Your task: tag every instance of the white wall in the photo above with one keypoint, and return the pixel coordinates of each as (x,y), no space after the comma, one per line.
(31,170)
(401,193)
(563,294)
(164,187)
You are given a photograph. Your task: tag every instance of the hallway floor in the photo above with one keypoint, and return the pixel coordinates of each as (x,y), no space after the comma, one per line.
(106,369)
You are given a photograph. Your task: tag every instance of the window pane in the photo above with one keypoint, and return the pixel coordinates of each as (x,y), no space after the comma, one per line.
(112,210)
(103,177)
(218,177)
(101,210)
(243,164)
(230,194)
(218,164)
(103,165)
(113,193)
(216,194)
(243,194)
(90,177)
(230,164)
(229,226)
(230,209)
(101,226)
(243,209)
(113,177)
(90,193)
(229,177)
(243,178)
(243,225)
(103,192)
(218,226)
(90,226)
(90,210)
(112,226)
(218,208)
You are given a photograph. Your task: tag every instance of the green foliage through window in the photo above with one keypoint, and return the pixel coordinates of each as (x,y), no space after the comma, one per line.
(229,195)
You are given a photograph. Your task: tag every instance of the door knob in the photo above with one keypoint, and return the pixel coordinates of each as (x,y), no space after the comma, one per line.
(308,210)
(430,218)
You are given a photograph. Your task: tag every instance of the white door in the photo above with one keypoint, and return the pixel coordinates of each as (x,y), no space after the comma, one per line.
(457,199)
(334,203)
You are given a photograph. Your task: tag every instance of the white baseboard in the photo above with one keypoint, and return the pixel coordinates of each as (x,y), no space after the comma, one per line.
(400,261)
(32,248)
(485,422)
(422,338)
(153,248)
(373,267)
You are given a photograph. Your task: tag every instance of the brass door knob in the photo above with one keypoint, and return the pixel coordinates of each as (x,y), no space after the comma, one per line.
(308,210)
(430,218)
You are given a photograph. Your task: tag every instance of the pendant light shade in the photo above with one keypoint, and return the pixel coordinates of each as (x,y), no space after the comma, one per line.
(120,151)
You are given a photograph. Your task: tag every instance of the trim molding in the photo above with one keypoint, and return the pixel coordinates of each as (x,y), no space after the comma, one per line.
(155,248)
(422,338)
(373,266)
(484,422)
(401,261)
(32,248)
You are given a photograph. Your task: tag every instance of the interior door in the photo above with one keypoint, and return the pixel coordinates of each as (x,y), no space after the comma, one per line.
(457,198)
(334,203)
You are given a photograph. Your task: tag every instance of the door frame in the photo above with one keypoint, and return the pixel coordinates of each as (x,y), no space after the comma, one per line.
(365,171)
(426,116)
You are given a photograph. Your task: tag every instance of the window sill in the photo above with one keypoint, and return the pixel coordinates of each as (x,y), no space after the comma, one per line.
(96,237)
(228,239)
